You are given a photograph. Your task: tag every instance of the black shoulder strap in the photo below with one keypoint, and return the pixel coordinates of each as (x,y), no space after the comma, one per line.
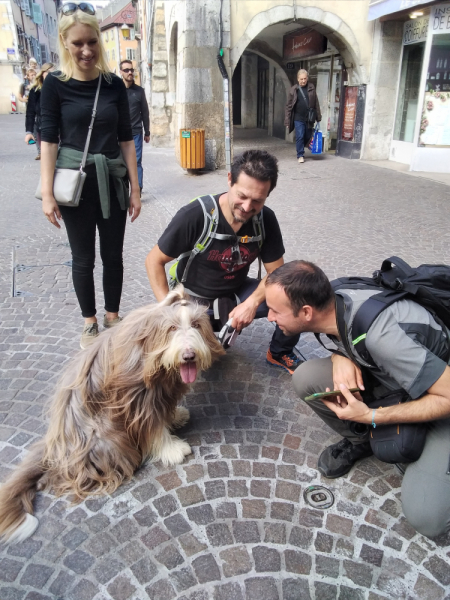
(399,263)
(342,325)
(258,228)
(366,315)
(304,97)
(342,328)
(211,219)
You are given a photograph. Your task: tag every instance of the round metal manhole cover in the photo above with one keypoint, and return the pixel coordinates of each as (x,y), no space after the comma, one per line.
(318,496)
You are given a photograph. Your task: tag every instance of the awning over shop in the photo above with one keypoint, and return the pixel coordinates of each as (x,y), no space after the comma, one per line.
(379,8)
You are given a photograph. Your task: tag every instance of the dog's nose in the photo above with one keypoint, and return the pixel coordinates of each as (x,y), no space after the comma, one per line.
(189,355)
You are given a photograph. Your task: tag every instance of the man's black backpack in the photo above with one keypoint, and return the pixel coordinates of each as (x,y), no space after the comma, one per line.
(428,285)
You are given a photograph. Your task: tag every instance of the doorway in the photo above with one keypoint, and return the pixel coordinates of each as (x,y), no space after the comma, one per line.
(262,114)
(326,75)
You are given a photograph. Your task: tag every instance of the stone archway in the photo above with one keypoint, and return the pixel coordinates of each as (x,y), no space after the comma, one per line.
(327,23)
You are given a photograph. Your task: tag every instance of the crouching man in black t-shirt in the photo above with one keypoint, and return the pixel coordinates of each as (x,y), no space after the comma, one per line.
(221,270)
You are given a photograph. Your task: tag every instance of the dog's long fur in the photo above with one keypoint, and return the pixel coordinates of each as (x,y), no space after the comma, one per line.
(114,407)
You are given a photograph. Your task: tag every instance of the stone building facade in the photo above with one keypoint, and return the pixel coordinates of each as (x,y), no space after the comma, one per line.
(352,57)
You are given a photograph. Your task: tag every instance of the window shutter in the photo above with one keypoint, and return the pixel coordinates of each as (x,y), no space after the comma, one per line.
(37,13)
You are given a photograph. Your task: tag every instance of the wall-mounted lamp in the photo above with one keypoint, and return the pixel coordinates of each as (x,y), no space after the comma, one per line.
(415,14)
(125,29)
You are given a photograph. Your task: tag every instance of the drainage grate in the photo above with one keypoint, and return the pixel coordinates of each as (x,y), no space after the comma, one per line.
(318,496)
(26,270)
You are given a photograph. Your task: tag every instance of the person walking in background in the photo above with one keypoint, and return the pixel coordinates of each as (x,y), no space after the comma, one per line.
(138,113)
(25,86)
(33,115)
(302,98)
(67,101)
(33,64)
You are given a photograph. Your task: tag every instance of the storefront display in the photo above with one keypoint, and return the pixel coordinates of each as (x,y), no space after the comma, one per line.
(435,122)
(421,136)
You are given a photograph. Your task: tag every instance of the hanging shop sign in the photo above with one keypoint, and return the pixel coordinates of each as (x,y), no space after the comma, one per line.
(303,43)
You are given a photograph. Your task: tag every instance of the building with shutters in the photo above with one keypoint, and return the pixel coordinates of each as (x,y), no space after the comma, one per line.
(119,29)
(373,73)
(27,30)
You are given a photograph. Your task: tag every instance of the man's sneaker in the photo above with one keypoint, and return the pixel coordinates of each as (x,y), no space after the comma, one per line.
(301,159)
(286,361)
(107,324)
(337,460)
(90,332)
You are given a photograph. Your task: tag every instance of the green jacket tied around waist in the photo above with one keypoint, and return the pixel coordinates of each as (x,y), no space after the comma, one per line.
(116,167)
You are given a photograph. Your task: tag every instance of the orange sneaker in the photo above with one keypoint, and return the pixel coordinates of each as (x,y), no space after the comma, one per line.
(289,362)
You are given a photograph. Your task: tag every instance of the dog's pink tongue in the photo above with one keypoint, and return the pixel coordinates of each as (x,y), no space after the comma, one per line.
(188,372)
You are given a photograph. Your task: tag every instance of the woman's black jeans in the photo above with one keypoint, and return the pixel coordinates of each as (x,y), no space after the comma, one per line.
(81,224)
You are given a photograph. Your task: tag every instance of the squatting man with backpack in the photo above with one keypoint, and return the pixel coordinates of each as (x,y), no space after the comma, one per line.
(405,348)
(216,239)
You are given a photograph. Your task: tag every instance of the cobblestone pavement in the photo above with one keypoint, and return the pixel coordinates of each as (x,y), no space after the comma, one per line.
(231,523)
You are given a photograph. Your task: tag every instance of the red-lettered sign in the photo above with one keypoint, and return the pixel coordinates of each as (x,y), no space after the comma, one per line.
(348,125)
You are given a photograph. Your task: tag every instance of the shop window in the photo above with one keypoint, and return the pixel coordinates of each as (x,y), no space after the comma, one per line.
(435,123)
(438,76)
(408,95)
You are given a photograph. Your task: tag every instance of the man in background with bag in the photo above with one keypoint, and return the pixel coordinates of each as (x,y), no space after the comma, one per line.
(409,350)
(302,111)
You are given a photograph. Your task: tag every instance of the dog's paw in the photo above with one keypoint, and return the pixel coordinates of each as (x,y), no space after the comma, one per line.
(181,417)
(173,453)
(24,531)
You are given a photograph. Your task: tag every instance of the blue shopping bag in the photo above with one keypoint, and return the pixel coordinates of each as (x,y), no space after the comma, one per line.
(316,144)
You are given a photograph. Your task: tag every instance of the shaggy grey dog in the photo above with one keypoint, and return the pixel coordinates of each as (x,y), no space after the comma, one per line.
(114,407)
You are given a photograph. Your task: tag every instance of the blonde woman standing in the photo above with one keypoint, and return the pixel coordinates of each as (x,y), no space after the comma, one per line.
(67,101)
(33,115)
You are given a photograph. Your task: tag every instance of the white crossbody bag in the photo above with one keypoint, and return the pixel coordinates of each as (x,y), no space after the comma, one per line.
(68,183)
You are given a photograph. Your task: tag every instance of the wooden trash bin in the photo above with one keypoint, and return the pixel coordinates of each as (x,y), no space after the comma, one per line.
(192,148)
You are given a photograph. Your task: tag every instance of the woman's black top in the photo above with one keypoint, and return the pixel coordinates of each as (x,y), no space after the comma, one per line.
(66,111)
(33,114)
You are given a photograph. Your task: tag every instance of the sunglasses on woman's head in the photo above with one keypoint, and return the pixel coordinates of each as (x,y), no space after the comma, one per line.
(128,70)
(69,8)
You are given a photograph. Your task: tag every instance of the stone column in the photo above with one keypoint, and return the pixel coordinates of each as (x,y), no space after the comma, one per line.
(200,80)
(381,91)
(161,101)
(271,98)
(249,97)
